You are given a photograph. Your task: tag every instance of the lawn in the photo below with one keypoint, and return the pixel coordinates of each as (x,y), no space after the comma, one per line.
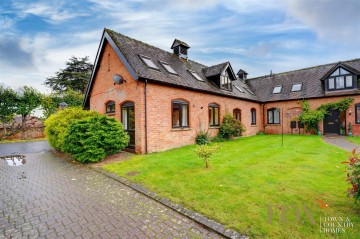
(248,175)
(355,139)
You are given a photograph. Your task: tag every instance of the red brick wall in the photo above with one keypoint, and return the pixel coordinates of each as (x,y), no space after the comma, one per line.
(289,111)
(161,134)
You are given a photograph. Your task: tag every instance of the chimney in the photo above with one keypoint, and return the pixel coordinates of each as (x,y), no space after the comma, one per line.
(242,75)
(180,49)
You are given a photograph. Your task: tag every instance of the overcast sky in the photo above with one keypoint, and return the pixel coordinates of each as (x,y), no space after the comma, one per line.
(37,37)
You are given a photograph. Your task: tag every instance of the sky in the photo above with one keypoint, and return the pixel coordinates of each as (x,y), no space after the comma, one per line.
(38,37)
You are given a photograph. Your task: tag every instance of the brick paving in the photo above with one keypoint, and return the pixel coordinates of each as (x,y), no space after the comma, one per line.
(49,197)
(340,141)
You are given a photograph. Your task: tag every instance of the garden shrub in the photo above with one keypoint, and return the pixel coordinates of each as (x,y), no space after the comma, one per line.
(57,124)
(202,137)
(91,139)
(205,152)
(353,175)
(231,127)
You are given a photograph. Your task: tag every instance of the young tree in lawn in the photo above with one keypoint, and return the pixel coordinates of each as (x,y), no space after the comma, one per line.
(27,99)
(7,105)
(75,76)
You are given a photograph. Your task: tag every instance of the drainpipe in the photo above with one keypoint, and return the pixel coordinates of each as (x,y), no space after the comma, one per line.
(146,136)
(263,118)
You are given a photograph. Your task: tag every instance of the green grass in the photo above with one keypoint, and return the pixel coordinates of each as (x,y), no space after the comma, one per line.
(355,139)
(247,175)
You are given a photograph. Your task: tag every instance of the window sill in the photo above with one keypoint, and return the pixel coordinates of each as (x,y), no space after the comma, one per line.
(110,114)
(214,127)
(254,125)
(273,124)
(181,129)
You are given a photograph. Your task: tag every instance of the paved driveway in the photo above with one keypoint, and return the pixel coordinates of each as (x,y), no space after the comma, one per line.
(49,197)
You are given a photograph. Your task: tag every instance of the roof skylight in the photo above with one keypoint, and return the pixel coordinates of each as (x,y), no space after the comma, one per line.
(296,87)
(238,88)
(277,89)
(149,62)
(168,68)
(194,74)
(248,90)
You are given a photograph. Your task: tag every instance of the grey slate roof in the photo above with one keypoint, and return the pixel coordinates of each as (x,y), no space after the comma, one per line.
(131,49)
(215,70)
(311,79)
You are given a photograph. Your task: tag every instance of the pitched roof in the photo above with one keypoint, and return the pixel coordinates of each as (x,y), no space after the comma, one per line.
(311,79)
(178,42)
(130,51)
(216,69)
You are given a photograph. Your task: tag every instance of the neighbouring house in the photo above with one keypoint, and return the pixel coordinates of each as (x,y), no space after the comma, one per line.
(164,98)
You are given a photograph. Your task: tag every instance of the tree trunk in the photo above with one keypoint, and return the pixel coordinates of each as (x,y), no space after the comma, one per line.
(4,129)
(24,126)
(207,163)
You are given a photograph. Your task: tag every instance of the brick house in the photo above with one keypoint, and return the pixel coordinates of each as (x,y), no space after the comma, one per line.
(163,98)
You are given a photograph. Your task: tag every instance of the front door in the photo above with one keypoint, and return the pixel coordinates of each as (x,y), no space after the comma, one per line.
(128,121)
(332,122)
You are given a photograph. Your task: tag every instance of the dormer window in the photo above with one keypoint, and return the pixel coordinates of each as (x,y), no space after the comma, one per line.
(195,75)
(225,82)
(277,89)
(180,48)
(340,79)
(149,62)
(296,87)
(168,68)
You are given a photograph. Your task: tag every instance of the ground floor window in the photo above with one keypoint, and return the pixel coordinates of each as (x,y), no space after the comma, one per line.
(357,114)
(214,115)
(273,116)
(180,114)
(237,114)
(110,107)
(253,116)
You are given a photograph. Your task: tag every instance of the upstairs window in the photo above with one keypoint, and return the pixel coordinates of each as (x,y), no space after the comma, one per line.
(273,116)
(237,114)
(110,107)
(340,79)
(296,87)
(225,82)
(253,116)
(357,113)
(195,75)
(180,114)
(214,115)
(248,90)
(149,62)
(277,89)
(168,68)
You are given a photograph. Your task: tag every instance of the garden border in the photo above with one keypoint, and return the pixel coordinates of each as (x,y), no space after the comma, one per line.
(197,217)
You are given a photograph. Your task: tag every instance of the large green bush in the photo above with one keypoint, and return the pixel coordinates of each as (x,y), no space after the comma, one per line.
(202,137)
(230,127)
(56,126)
(91,139)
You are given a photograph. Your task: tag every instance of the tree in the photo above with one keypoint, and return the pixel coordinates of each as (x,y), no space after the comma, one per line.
(27,99)
(50,103)
(7,105)
(75,76)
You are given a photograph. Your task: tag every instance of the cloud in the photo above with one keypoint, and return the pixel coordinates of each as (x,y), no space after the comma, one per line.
(332,20)
(13,54)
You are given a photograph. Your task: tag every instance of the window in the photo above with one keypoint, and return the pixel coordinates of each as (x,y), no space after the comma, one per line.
(214,115)
(340,79)
(180,114)
(110,107)
(168,68)
(225,82)
(194,74)
(277,89)
(237,114)
(273,116)
(357,114)
(149,62)
(238,88)
(248,90)
(253,116)
(296,87)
